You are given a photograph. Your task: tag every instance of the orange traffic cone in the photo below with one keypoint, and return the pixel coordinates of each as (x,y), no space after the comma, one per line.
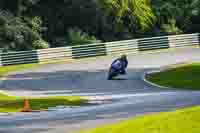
(26,107)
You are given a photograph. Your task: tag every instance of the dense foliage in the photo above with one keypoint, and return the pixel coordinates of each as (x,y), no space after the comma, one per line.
(25,24)
(17,33)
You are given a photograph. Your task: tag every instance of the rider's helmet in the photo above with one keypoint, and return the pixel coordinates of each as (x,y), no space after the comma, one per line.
(123,57)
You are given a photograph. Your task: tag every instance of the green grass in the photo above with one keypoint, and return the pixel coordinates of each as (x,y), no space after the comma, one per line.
(15,104)
(4,70)
(185,77)
(182,121)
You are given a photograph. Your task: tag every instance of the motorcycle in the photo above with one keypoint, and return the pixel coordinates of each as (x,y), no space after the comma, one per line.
(113,73)
(117,67)
(115,70)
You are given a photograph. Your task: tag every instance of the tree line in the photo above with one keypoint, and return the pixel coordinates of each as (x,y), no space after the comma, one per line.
(35,24)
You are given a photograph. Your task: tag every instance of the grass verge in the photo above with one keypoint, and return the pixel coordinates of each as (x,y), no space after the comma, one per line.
(185,77)
(15,104)
(182,121)
(4,70)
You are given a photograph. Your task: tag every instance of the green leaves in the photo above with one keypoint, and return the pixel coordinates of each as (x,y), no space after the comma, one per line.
(139,12)
(143,12)
(171,27)
(17,34)
(180,10)
(108,20)
(77,37)
(40,44)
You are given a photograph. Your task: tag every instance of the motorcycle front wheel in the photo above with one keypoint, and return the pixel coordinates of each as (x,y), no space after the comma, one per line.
(112,73)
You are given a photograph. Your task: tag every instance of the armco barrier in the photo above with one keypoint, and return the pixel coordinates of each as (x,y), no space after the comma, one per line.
(183,40)
(120,47)
(153,43)
(99,49)
(36,56)
(89,50)
(0,57)
(23,57)
(54,54)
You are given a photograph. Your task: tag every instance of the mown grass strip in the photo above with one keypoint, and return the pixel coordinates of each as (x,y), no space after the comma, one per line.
(185,77)
(181,121)
(4,70)
(15,104)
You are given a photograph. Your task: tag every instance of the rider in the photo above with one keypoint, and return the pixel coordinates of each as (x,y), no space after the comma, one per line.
(120,64)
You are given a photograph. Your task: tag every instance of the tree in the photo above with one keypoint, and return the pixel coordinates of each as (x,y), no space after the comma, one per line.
(16,34)
(180,10)
(17,7)
(137,12)
(170,28)
(59,16)
(78,37)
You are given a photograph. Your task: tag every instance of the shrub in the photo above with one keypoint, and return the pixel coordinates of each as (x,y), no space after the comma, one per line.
(40,44)
(17,34)
(171,28)
(78,37)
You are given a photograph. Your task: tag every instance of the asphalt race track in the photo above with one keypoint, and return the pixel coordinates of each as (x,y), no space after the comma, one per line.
(132,96)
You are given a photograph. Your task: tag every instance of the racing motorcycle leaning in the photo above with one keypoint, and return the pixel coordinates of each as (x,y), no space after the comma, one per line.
(118,67)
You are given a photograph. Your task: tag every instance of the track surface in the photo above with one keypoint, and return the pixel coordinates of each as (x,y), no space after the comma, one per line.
(88,78)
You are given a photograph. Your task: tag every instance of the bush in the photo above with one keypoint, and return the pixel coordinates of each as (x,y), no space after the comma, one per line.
(40,44)
(17,34)
(77,37)
(17,38)
(171,28)
(35,24)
